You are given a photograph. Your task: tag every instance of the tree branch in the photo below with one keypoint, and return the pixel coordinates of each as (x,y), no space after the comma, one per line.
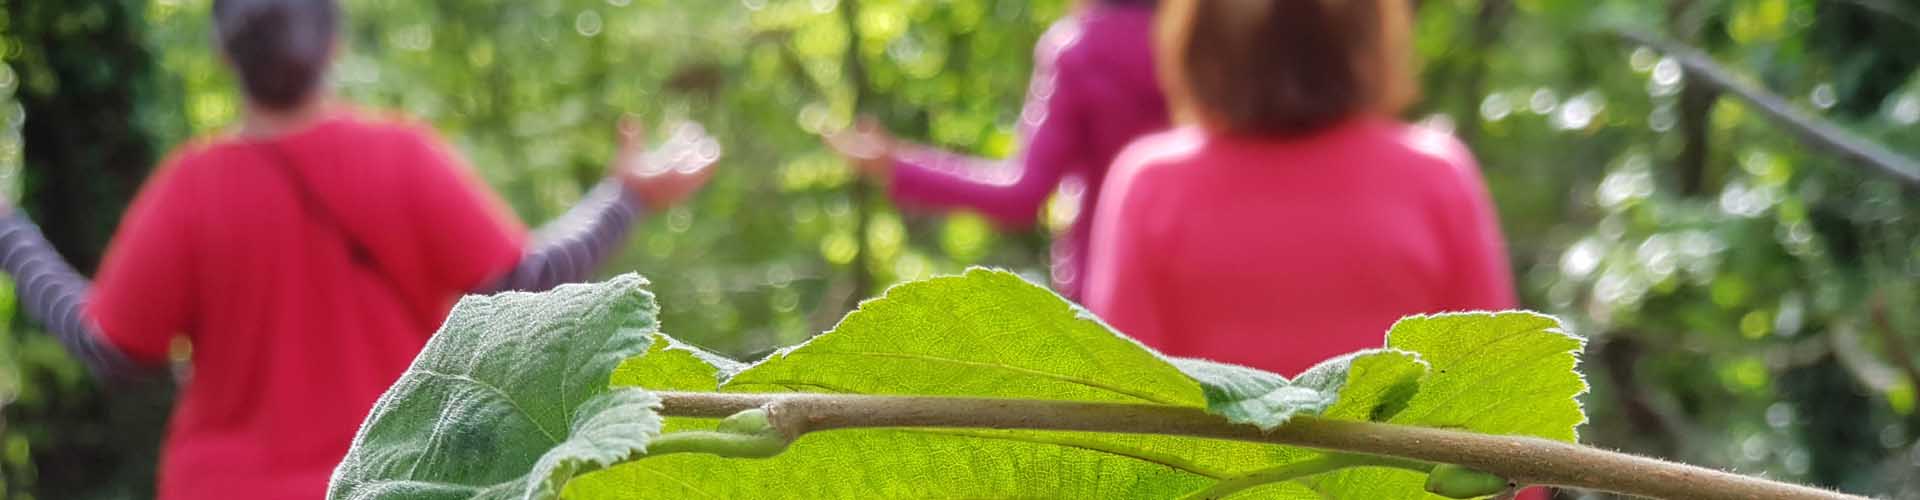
(1521,459)
(1487,26)
(1812,131)
(1888,9)
(1619,355)
(1893,342)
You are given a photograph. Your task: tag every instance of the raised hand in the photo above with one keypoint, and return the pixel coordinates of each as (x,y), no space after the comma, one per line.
(867,146)
(670,173)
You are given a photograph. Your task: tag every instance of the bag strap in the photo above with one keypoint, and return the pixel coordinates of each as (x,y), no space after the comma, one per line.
(317,210)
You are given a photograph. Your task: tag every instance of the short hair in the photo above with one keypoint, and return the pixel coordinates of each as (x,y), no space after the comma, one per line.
(281,49)
(1284,67)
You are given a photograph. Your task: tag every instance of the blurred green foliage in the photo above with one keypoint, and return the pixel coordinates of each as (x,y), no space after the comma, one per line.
(84,71)
(1745,294)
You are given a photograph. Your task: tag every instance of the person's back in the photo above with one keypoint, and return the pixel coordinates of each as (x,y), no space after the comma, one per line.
(1290,219)
(1280,254)
(294,332)
(307,257)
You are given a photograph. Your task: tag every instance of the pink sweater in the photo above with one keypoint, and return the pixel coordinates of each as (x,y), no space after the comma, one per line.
(1093,92)
(1277,254)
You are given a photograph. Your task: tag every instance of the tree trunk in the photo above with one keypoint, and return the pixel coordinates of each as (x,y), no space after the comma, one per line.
(83,71)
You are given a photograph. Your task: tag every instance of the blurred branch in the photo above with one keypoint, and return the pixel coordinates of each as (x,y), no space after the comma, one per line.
(1688,17)
(1880,372)
(1888,9)
(1487,26)
(1811,131)
(1868,369)
(1696,102)
(1893,342)
(1620,354)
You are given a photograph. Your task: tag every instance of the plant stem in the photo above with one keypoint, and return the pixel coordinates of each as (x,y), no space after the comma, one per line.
(1893,342)
(1524,460)
(1301,469)
(1888,9)
(716,443)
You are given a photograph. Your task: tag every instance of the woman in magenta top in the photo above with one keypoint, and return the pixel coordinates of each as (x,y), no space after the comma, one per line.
(307,256)
(1094,90)
(1290,218)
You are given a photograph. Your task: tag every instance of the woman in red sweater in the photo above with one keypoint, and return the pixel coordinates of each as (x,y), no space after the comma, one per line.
(1290,218)
(307,256)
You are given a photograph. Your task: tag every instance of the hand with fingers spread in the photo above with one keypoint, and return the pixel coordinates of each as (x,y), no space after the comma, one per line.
(670,173)
(867,146)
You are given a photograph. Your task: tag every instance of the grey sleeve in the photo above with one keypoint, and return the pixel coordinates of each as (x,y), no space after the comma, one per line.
(571,248)
(50,291)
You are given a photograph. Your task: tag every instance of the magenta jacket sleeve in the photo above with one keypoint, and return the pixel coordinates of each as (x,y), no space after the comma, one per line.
(1051,124)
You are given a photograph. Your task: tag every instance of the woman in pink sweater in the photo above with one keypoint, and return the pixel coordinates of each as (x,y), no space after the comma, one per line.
(1290,218)
(1094,90)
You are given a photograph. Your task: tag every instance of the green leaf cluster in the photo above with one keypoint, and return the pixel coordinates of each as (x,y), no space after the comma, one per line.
(489,401)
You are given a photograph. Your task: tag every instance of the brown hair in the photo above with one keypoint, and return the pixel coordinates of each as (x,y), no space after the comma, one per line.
(1284,67)
(280,48)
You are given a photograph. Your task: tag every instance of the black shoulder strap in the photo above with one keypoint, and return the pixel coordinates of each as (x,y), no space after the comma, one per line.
(317,209)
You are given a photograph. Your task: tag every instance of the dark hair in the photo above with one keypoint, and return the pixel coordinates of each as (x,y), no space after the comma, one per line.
(280,48)
(1284,67)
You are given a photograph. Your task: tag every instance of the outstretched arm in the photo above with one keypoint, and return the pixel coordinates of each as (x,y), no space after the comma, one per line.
(570,248)
(1051,128)
(50,291)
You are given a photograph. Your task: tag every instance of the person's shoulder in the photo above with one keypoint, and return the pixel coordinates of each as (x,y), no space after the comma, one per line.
(197,151)
(1172,146)
(1161,154)
(1070,45)
(1422,146)
(199,154)
(1153,175)
(1098,37)
(1432,163)
(1411,155)
(390,134)
(385,127)
(1061,36)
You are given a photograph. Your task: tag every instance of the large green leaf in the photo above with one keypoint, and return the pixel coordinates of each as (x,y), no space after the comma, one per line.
(510,400)
(984,334)
(992,334)
(1506,373)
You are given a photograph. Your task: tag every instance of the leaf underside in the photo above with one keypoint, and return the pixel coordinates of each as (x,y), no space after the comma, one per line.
(510,400)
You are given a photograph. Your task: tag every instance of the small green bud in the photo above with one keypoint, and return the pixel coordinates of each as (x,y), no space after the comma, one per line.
(752,422)
(1453,481)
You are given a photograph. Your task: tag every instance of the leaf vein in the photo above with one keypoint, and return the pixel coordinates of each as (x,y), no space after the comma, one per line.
(1019,369)
(498,392)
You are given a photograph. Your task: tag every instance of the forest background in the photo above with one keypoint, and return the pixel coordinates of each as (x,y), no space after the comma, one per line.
(1667,174)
